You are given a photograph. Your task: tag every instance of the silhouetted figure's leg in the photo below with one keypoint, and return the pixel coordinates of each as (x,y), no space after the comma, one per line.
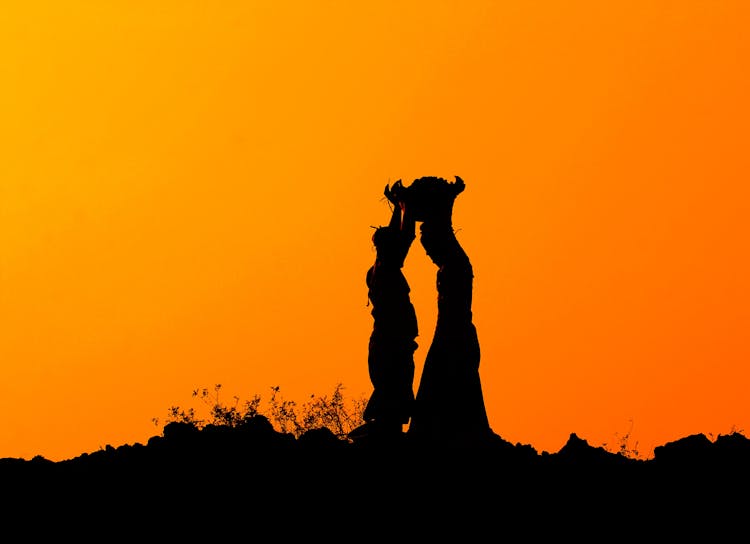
(392,341)
(449,403)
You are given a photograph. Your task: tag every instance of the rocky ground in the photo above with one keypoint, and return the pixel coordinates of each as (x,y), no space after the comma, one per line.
(251,478)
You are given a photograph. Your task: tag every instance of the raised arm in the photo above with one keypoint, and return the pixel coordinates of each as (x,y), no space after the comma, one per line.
(402,225)
(391,193)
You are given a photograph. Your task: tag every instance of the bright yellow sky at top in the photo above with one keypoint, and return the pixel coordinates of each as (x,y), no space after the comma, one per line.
(187,192)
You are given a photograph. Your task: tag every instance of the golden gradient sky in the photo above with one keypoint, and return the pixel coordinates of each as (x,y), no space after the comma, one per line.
(187,191)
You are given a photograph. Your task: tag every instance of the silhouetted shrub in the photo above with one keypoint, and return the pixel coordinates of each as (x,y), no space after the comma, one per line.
(335,413)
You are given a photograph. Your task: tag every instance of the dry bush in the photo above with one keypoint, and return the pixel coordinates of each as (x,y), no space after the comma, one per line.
(335,412)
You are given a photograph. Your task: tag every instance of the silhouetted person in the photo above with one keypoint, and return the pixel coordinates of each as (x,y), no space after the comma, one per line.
(392,345)
(449,403)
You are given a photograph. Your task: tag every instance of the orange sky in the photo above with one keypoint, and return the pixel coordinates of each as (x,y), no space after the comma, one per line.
(187,191)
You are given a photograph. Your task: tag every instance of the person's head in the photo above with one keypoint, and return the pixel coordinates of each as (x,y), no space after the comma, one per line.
(388,245)
(434,242)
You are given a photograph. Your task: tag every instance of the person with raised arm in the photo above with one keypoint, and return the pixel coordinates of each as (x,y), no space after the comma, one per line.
(392,341)
(449,406)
